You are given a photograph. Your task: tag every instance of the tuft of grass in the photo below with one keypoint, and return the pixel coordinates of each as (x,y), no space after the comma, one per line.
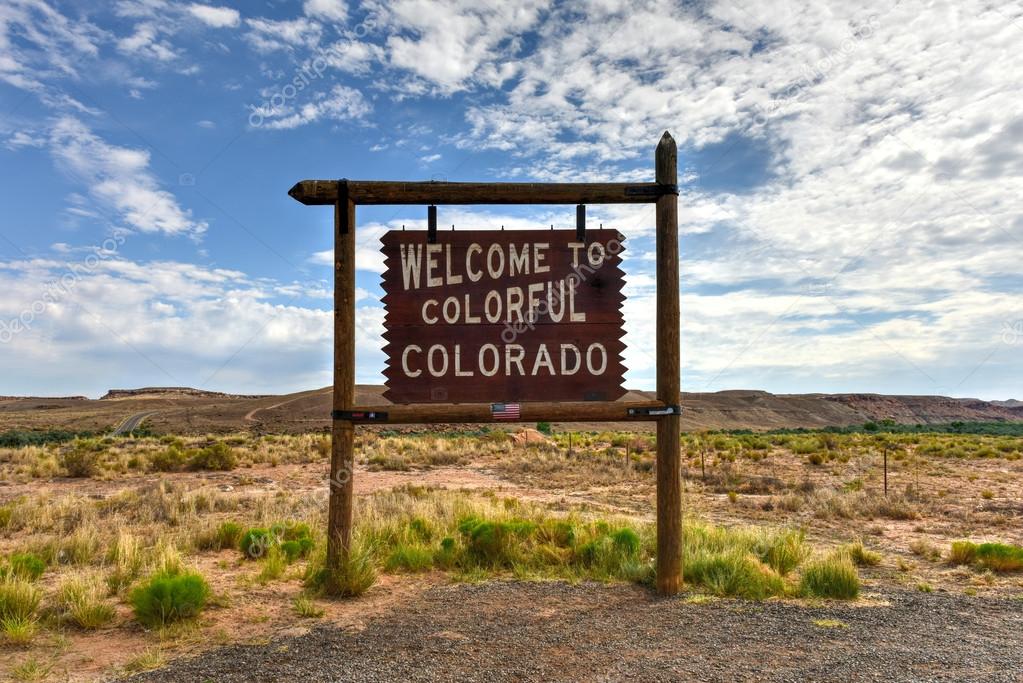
(150,658)
(924,587)
(409,558)
(19,598)
(28,566)
(126,558)
(166,598)
(18,630)
(306,608)
(861,555)
(355,574)
(782,550)
(31,670)
(275,563)
(962,552)
(734,573)
(226,535)
(833,576)
(921,547)
(830,623)
(80,599)
(19,601)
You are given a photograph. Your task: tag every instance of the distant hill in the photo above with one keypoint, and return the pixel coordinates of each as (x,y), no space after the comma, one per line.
(165,392)
(186,410)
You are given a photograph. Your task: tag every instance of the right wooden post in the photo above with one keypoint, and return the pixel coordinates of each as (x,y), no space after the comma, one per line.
(669,458)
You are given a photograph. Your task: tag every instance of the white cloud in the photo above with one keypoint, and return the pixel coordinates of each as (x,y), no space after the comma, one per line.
(340,104)
(119,180)
(333,10)
(136,323)
(268,35)
(37,42)
(148,42)
(453,42)
(217,17)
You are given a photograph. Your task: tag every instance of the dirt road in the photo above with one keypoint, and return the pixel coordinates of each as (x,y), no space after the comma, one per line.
(557,632)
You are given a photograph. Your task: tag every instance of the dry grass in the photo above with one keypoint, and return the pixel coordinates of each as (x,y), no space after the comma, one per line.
(578,515)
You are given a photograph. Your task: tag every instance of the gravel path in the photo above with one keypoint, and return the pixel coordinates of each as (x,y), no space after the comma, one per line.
(557,632)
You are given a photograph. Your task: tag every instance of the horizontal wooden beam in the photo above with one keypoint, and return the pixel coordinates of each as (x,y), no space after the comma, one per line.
(314,192)
(582,411)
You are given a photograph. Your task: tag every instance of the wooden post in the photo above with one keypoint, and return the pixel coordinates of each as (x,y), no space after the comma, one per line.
(342,452)
(669,461)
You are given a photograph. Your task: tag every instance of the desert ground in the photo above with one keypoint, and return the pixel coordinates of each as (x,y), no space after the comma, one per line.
(515,555)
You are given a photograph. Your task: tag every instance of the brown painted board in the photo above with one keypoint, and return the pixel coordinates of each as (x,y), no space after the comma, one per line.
(496,316)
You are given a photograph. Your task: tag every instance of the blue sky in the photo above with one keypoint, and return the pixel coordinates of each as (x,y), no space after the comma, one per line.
(850,202)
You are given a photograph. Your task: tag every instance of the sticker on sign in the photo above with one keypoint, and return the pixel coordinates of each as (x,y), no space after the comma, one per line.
(484,316)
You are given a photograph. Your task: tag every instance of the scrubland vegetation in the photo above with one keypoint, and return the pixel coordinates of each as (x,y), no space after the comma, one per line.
(161,540)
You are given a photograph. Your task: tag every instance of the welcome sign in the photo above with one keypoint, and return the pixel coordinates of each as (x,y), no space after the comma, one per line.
(493,316)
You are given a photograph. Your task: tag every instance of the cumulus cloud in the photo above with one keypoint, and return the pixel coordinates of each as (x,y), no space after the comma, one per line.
(333,10)
(269,35)
(217,17)
(452,43)
(133,323)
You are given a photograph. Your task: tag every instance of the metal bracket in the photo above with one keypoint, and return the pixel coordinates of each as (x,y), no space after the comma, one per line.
(341,226)
(580,223)
(654,191)
(655,412)
(431,224)
(359,415)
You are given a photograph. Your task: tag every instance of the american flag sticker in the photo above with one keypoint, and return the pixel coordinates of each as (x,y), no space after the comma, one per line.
(505,411)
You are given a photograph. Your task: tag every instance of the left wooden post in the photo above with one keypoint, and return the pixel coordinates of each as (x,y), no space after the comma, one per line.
(342,452)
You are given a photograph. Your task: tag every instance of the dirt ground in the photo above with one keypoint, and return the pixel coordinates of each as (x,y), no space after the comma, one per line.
(556,632)
(965,623)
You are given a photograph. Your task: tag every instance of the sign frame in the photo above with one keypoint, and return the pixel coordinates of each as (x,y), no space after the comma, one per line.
(344,195)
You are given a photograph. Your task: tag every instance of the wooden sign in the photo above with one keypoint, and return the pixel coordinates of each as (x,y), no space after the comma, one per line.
(487,316)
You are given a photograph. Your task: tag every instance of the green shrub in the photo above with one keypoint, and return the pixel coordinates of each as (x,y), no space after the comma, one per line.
(80,461)
(218,457)
(294,531)
(169,597)
(1000,557)
(296,549)
(28,566)
(256,542)
(172,459)
(543,427)
(830,577)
